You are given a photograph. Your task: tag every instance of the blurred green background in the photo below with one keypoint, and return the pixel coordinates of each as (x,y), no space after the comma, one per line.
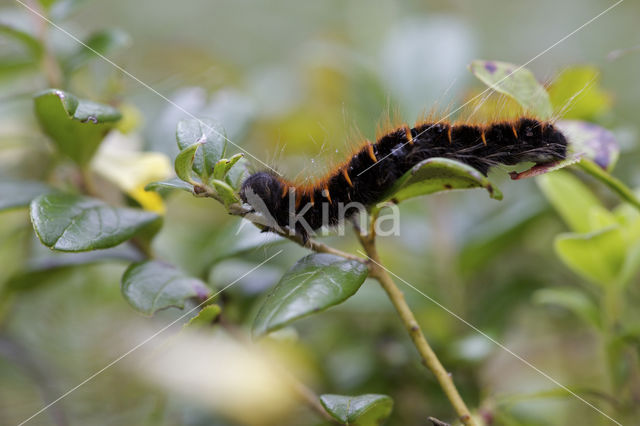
(290,81)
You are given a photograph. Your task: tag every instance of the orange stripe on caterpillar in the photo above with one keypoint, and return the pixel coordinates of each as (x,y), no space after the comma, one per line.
(372,154)
(407,132)
(326,193)
(345,173)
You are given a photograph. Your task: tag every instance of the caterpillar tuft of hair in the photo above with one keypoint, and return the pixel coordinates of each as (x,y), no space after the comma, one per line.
(374,167)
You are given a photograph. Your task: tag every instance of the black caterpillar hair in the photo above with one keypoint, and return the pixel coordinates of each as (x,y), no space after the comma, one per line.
(373,168)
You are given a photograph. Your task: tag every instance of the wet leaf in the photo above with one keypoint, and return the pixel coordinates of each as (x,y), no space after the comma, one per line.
(315,283)
(210,135)
(68,222)
(439,174)
(362,410)
(76,126)
(518,83)
(152,285)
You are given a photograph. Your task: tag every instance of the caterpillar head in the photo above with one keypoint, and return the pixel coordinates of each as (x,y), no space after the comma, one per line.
(262,189)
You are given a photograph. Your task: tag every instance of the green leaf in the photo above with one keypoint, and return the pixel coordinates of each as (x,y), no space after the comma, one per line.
(169,185)
(362,410)
(205,317)
(237,173)
(570,197)
(439,174)
(590,141)
(76,126)
(212,137)
(225,192)
(30,42)
(518,83)
(103,42)
(20,193)
(315,283)
(68,222)
(575,93)
(223,166)
(573,300)
(597,256)
(184,163)
(152,285)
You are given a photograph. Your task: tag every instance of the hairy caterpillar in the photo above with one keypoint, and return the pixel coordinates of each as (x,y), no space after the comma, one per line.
(374,167)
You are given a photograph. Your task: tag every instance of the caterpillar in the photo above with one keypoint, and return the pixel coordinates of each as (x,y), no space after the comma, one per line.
(373,168)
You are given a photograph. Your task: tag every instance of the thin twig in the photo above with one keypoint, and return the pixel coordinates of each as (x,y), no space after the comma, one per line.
(429,358)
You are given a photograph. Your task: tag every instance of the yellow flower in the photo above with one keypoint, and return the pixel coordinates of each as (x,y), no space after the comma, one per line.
(120,162)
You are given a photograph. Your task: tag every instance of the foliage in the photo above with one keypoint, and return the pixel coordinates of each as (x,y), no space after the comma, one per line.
(86,207)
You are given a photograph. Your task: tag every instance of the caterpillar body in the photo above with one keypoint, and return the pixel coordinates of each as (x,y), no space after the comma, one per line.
(374,167)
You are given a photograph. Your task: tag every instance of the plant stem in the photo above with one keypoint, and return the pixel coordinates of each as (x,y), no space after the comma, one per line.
(429,358)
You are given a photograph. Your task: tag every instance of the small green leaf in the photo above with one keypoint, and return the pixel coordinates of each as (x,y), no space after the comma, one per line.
(222,167)
(362,410)
(68,222)
(575,93)
(590,141)
(169,185)
(205,317)
(30,42)
(20,193)
(225,192)
(315,283)
(103,42)
(152,285)
(237,173)
(573,300)
(518,83)
(570,197)
(212,137)
(184,163)
(76,126)
(439,174)
(597,256)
